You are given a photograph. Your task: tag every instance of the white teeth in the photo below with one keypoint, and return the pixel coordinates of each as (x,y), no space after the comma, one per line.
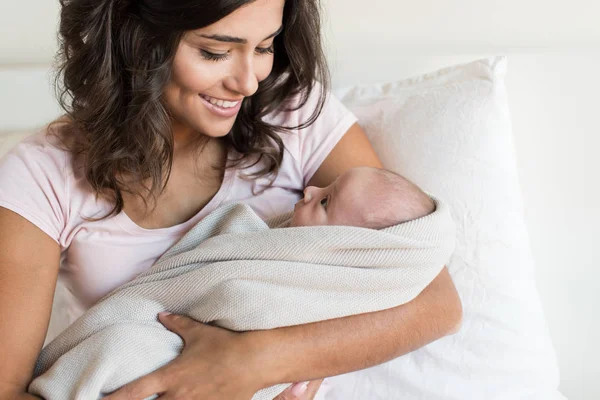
(220,103)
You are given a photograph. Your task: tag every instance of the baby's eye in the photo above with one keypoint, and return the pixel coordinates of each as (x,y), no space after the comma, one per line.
(324,201)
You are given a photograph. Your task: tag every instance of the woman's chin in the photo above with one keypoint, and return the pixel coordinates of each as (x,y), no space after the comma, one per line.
(217,133)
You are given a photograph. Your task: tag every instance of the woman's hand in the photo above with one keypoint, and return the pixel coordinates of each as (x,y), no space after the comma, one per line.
(215,364)
(301,391)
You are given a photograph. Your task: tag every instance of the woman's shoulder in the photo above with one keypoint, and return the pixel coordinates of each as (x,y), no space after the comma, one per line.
(297,104)
(42,150)
(44,163)
(315,129)
(34,180)
(314,110)
(49,143)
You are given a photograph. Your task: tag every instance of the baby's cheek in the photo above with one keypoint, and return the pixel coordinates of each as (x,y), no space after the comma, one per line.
(301,219)
(295,219)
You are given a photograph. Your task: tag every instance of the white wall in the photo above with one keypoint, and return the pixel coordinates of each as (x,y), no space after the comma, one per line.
(27,31)
(518,22)
(553,51)
(556,134)
(27,27)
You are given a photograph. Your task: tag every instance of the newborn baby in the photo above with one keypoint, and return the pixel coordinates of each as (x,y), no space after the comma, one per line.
(364,196)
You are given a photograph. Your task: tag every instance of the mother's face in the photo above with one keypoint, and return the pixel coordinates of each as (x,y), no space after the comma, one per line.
(223,61)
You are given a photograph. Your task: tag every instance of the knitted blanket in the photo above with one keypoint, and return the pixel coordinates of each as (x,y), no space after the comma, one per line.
(242,273)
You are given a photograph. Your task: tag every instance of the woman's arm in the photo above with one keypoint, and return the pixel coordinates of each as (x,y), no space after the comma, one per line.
(332,347)
(29,261)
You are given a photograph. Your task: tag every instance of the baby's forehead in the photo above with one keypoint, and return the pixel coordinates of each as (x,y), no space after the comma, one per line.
(355,190)
(360,178)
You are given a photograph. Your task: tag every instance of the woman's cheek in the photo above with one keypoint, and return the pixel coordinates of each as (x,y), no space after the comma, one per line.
(200,77)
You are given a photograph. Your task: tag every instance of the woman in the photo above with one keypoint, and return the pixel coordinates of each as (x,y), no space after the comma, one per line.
(173,108)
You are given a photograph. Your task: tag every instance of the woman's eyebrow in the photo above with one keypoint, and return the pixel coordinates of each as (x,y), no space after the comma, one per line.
(232,39)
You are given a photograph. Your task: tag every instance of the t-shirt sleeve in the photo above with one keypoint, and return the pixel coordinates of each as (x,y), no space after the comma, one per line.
(317,140)
(32,184)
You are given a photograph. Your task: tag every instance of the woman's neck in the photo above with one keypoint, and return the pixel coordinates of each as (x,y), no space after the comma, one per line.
(192,149)
(185,138)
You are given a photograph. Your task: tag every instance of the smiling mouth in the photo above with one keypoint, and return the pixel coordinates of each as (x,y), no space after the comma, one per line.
(225,104)
(221,108)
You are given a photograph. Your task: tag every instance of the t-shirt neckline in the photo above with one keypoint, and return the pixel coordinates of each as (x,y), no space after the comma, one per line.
(127,223)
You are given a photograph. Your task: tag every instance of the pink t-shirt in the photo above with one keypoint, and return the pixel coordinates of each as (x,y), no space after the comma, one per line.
(38,181)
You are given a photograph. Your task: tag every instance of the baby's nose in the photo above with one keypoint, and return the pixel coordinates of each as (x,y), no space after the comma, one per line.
(309,193)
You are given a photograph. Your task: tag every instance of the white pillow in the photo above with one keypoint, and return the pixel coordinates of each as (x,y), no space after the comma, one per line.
(450,132)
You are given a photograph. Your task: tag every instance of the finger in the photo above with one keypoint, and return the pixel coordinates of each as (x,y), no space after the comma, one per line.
(286,394)
(294,392)
(138,389)
(178,324)
(312,389)
(302,391)
(298,389)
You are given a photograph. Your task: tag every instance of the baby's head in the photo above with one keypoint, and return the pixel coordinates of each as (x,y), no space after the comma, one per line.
(365,197)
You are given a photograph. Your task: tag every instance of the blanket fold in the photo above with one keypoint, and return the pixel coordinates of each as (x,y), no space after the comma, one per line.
(242,273)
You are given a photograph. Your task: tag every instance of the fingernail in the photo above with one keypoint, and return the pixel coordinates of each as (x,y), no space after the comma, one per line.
(307,198)
(299,388)
(164,314)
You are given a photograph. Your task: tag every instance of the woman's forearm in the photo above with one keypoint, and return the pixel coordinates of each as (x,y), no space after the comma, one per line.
(337,346)
(11,393)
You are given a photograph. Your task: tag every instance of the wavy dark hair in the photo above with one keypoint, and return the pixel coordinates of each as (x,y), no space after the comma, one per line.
(114,60)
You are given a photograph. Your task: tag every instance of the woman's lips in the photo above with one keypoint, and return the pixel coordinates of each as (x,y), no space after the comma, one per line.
(221,111)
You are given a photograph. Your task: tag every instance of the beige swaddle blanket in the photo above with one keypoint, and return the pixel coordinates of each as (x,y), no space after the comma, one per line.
(242,273)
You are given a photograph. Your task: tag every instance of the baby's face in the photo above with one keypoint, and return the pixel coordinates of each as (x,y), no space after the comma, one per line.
(341,203)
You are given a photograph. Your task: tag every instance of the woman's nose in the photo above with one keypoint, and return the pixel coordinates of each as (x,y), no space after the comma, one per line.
(244,78)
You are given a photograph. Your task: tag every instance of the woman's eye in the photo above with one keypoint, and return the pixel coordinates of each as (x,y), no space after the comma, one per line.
(207,55)
(324,202)
(265,50)
(212,56)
